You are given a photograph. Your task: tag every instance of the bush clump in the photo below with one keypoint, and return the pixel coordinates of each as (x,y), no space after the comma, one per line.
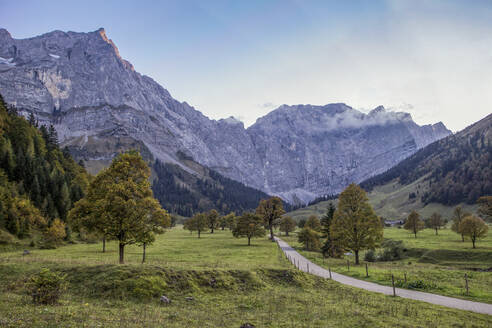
(46,287)
(370,256)
(393,250)
(416,284)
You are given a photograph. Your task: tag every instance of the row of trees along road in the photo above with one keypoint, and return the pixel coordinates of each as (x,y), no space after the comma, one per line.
(119,205)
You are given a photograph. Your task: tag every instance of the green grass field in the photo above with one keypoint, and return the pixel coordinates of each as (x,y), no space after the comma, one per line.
(230,283)
(391,201)
(440,262)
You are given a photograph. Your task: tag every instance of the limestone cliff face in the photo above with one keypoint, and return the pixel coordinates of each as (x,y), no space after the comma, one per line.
(98,102)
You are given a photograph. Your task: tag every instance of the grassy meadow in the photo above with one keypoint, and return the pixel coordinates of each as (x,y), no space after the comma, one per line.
(391,201)
(435,264)
(230,284)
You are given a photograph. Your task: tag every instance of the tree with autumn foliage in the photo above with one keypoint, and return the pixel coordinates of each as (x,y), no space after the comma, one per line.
(54,234)
(313,223)
(355,226)
(287,224)
(213,220)
(413,223)
(458,215)
(198,223)
(474,228)
(249,225)
(120,204)
(436,222)
(270,210)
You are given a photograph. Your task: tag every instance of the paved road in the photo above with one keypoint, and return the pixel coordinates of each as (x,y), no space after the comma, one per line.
(307,266)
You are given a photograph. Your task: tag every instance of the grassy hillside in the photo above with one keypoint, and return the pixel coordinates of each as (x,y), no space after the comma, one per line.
(436,263)
(230,283)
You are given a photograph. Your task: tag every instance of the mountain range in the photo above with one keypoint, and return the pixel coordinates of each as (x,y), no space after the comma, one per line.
(100,105)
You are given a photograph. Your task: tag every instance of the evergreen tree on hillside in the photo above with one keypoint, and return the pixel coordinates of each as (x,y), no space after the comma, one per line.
(35,169)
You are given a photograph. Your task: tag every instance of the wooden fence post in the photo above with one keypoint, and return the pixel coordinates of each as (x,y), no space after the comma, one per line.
(308,267)
(367,271)
(393,283)
(405,277)
(329,270)
(466,284)
(348,265)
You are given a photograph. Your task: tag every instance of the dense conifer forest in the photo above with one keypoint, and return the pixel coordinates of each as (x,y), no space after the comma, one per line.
(456,169)
(38,181)
(183,193)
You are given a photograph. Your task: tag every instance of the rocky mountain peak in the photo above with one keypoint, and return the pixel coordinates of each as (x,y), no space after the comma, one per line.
(4,34)
(100,106)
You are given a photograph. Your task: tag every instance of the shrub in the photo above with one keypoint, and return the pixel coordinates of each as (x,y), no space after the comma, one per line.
(370,256)
(6,238)
(53,236)
(392,250)
(46,287)
(416,284)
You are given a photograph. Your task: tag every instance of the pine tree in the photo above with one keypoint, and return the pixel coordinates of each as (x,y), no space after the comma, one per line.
(329,247)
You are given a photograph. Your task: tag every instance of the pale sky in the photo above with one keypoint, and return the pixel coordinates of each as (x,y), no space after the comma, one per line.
(245,58)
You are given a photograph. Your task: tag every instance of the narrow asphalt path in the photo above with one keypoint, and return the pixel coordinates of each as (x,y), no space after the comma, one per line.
(307,266)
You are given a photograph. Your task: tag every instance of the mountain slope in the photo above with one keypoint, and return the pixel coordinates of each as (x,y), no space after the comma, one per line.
(184,193)
(450,171)
(99,105)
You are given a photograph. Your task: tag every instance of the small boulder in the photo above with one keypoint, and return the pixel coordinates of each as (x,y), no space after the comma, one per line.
(165,299)
(247,325)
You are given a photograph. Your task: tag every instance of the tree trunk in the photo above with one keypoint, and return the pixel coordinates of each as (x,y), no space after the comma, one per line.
(198,233)
(249,241)
(223,228)
(473,241)
(122,253)
(356,257)
(287,233)
(462,238)
(271,232)
(212,230)
(104,244)
(143,255)
(436,231)
(415,233)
